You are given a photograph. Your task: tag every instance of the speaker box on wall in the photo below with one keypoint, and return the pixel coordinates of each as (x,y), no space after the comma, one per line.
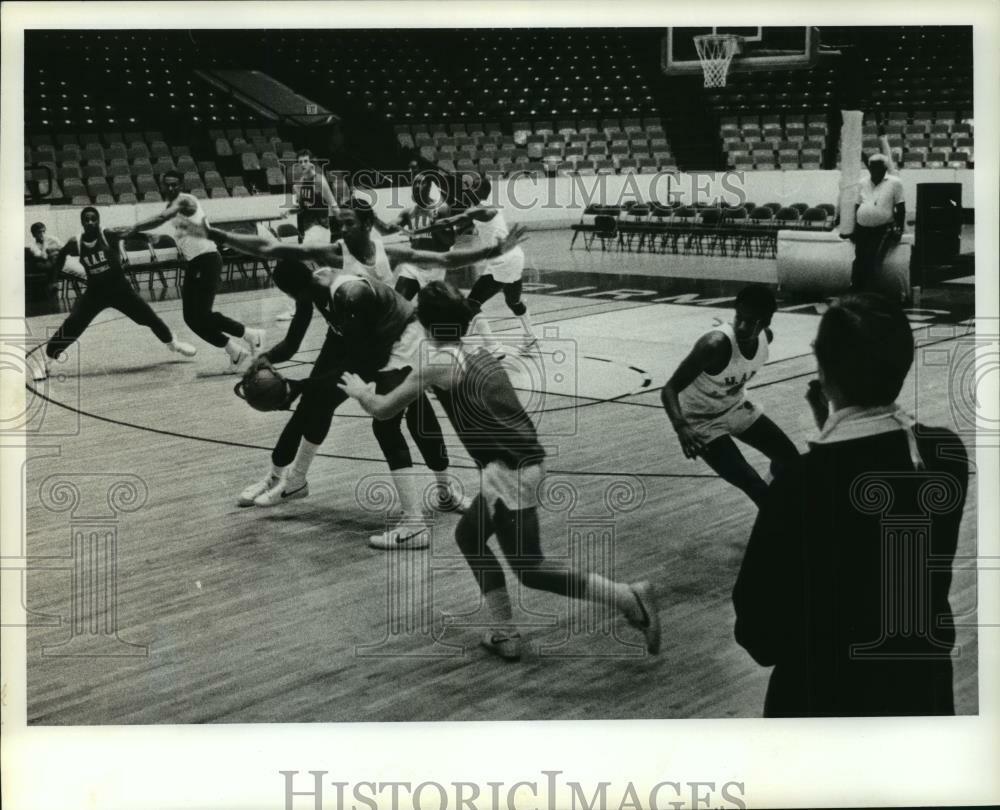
(938,224)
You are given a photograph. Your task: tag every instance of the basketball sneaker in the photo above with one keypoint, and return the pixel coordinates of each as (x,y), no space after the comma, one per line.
(646,617)
(504,643)
(408,535)
(255,490)
(237,353)
(255,340)
(286,489)
(182,348)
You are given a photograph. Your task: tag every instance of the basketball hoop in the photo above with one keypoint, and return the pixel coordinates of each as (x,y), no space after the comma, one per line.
(716,51)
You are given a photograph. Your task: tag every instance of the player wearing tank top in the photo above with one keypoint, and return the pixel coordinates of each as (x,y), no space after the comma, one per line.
(371,309)
(100,256)
(706,402)
(501,274)
(483,407)
(202,273)
(428,208)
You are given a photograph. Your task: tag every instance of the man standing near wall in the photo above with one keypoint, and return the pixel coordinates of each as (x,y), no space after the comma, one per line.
(879,221)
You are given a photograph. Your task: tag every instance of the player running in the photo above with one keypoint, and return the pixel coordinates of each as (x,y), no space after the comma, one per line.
(201,275)
(503,274)
(100,255)
(485,412)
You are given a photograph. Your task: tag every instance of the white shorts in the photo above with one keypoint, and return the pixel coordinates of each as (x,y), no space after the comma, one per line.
(506,269)
(420,273)
(731,423)
(517,489)
(406,350)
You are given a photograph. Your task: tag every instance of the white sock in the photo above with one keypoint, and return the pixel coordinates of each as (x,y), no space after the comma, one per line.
(526,324)
(233,349)
(498,605)
(303,458)
(277,472)
(602,590)
(481,326)
(408,489)
(443,483)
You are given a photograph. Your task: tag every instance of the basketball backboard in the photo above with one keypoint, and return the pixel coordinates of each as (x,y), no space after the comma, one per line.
(761,48)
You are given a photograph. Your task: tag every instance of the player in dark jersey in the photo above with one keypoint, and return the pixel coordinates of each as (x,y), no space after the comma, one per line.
(488,417)
(373,332)
(107,286)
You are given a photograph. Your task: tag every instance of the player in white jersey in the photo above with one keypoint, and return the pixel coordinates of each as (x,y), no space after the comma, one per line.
(501,274)
(389,330)
(203,269)
(706,396)
(428,207)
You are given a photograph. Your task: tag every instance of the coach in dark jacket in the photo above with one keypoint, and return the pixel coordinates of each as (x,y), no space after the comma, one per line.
(844,585)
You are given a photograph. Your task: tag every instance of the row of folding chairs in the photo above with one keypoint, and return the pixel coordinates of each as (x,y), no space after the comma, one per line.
(706,231)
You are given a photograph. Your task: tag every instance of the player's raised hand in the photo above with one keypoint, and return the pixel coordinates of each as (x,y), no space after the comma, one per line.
(514,237)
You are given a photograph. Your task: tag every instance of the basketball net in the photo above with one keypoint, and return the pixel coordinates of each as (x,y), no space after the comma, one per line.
(716,51)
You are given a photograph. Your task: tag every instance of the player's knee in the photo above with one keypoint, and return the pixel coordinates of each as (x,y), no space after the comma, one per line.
(468,536)
(517,307)
(394,447)
(474,305)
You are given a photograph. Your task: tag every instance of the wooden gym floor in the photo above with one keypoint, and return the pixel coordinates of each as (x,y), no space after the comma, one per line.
(285,615)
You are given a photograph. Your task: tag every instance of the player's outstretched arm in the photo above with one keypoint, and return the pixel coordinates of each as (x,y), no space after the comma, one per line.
(385,406)
(706,355)
(458,258)
(182,205)
(264,248)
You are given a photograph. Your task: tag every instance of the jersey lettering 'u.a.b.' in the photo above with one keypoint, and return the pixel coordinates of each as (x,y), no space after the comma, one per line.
(100,260)
(711,394)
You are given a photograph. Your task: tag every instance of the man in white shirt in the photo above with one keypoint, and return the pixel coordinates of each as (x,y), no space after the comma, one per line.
(879,220)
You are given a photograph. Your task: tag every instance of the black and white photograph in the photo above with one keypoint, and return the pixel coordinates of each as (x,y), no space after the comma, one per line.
(427,377)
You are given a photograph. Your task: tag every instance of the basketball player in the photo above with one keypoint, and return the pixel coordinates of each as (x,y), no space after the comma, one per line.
(428,206)
(501,274)
(373,329)
(706,400)
(201,275)
(485,412)
(107,286)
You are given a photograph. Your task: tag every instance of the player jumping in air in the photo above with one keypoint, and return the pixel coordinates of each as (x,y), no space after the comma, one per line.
(488,417)
(100,255)
(706,396)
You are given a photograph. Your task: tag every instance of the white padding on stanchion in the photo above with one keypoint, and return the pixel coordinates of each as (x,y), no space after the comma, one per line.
(850,168)
(818,263)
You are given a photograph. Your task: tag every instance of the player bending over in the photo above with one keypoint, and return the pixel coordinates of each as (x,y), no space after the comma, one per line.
(373,332)
(107,286)
(706,396)
(488,417)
